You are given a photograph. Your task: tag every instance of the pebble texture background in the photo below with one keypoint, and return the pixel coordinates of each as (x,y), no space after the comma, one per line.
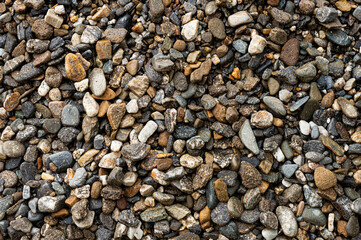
(180,120)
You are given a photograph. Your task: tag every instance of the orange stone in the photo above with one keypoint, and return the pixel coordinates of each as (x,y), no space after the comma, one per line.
(70,201)
(115,114)
(60,214)
(103,108)
(341,227)
(12,101)
(109,94)
(73,68)
(220,187)
(104,49)
(133,190)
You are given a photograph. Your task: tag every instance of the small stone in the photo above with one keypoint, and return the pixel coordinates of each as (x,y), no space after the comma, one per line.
(73,67)
(306,72)
(275,105)
(147,131)
(257,45)
(216,27)
(177,211)
(91,34)
(221,190)
(53,19)
(250,176)
(220,215)
(156,8)
(332,145)
(154,214)
(347,108)
(290,52)
(115,35)
(115,114)
(314,216)
(278,35)
(190,30)
(338,37)
(280,16)
(190,161)
(326,14)
(324,178)
(262,119)
(287,221)
(239,18)
(13,149)
(139,85)
(269,220)
(91,107)
(247,137)
(97,82)
(51,204)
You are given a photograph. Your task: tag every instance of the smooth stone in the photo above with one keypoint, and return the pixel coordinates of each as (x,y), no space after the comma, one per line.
(239,18)
(275,105)
(91,107)
(287,221)
(314,216)
(97,82)
(247,137)
(70,116)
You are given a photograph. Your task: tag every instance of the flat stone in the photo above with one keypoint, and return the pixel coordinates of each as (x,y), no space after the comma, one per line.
(314,216)
(275,105)
(97,82)
(13,149)
(190,30)
(239,18)
(154,214)
(115,114)
(115,35)
(247,137)
(287,221)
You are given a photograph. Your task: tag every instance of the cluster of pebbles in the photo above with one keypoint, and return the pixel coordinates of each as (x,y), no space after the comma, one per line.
(182,120)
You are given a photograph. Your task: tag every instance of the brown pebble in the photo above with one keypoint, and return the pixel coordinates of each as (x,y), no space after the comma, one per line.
(324,178)
(290,52)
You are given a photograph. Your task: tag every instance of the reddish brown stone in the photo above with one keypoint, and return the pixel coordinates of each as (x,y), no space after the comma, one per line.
(290,52)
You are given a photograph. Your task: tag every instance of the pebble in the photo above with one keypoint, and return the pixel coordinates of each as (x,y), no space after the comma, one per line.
(290,52)
(287,221)
(97,82)
(247,137)
(324,178)
(147,131)
(239,18)
(74,70)
(190,30)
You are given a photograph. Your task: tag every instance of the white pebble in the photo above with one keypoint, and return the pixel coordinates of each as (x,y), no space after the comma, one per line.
(82,85)
(323,131)
(115,146)
(278,154)
(132,106)
(331,219)
(43,89)
(147,131)
(304,127)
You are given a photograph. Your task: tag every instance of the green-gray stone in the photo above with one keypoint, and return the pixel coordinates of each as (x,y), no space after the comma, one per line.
(314,216)
(155,214)
(310,107)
